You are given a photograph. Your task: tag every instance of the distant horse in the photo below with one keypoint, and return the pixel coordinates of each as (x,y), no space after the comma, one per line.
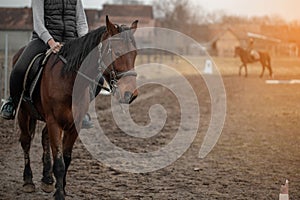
(63,112)
(264,59)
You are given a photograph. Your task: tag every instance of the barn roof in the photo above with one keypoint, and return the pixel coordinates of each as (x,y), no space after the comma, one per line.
(144,11)
(21,18)
(93,16)
(15,19)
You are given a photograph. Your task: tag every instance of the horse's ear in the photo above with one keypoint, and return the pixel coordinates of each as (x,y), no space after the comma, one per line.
(134,26)
(111,29)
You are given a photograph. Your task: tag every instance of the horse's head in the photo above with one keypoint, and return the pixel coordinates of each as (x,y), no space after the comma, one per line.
(118,54)
(237,51)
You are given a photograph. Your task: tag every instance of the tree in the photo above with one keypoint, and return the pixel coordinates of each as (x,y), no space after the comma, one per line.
(174,14)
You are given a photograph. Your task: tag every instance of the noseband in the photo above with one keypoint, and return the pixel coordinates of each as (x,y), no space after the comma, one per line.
(113,73)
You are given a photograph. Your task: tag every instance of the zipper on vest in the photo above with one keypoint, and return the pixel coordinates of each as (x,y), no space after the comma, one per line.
(63,20)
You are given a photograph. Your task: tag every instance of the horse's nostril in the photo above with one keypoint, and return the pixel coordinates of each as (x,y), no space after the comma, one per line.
(129,97)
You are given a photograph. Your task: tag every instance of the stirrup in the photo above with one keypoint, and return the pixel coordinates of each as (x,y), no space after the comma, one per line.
(8,110)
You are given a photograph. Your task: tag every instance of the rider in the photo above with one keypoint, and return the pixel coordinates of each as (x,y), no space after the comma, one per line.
(250,49)
(54,22)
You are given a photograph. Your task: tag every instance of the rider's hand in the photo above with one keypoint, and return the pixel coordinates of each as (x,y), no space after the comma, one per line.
(55,46)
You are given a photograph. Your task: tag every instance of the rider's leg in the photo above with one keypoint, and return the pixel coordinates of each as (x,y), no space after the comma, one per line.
(17,75)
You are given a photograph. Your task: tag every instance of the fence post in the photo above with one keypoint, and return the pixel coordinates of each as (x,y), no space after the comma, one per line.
(1,80)
(6,67)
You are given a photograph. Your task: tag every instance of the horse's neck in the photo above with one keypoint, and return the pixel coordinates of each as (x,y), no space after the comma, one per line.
(90,64)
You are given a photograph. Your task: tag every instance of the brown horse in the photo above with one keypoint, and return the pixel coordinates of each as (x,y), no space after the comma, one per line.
(112,51)
(264,59)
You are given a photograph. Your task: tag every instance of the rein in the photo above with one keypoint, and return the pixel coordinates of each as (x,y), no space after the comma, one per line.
(93,81)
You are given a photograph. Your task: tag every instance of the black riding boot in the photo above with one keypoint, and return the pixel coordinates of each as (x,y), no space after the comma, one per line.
(8,109)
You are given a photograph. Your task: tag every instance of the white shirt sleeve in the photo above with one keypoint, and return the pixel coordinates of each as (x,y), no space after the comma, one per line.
(81,22)
(38,20)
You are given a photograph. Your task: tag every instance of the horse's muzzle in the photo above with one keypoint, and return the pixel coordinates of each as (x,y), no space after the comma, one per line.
(129,97)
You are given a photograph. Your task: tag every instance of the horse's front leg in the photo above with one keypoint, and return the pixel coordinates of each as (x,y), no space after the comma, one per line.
(240,69)
(47,180)
(69,139)
(270,71)
(246,71)
(55,135)
(27,127)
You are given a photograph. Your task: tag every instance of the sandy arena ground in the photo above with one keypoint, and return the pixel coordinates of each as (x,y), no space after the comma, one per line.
(257,151)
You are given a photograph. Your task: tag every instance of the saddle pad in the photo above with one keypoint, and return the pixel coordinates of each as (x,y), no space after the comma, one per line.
(33,73)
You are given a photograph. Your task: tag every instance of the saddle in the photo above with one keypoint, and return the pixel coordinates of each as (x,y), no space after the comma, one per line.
(32,77)
(253,55)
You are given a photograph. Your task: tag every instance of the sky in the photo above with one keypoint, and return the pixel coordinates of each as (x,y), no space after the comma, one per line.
(287,9)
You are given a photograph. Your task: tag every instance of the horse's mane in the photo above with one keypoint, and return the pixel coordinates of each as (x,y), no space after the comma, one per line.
(75,51)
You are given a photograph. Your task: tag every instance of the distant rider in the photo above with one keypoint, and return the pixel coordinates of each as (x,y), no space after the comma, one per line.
(252,54)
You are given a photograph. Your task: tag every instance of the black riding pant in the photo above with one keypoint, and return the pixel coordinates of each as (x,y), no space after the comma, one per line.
(17,75)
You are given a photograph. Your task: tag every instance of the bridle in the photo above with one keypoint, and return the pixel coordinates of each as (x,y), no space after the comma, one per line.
(114,75)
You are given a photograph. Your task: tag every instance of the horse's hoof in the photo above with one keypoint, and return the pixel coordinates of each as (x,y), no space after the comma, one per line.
(28,187)
(47,187)
(59,195)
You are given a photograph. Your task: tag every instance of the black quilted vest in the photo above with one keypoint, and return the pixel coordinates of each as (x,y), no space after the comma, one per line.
(60,19)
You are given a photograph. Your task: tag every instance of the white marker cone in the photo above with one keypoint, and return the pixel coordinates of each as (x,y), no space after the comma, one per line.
(284,191)
(208,67)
